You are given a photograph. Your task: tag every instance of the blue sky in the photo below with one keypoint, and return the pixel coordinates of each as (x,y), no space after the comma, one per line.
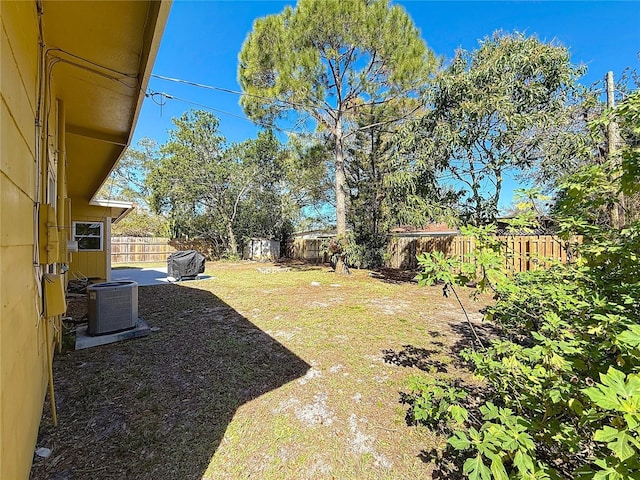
(202,41)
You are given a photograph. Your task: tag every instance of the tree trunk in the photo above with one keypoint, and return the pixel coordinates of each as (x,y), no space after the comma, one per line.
(341,212)
(341,194)
(233,245)
(496,198)
(377,181)
(616,209)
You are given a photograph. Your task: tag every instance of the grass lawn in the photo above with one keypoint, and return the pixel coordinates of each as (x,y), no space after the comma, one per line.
(277,373)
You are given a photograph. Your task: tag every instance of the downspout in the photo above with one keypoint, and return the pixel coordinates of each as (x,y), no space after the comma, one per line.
(60,204)
(39,145)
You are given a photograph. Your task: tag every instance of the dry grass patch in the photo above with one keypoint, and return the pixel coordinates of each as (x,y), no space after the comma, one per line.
(288,373)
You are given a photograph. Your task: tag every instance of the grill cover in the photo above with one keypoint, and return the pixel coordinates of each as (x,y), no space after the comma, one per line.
(185,265)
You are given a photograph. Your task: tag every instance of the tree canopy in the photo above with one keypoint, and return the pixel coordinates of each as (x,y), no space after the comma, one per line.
(326,62)
(208,188)
(508,106)
(377,130)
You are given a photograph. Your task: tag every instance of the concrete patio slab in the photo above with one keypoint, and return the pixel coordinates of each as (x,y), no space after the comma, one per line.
(142,276)
(83,340)
(146,276)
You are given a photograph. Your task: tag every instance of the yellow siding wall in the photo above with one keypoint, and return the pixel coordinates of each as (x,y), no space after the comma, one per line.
(33,234)
(90,264)
(23,349)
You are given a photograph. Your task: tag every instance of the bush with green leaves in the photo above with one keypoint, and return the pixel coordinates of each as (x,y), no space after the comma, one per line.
(436,403)
(502,441)
(366,251)
(562,382)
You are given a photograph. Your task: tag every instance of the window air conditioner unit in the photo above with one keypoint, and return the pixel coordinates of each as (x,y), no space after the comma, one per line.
(112,307)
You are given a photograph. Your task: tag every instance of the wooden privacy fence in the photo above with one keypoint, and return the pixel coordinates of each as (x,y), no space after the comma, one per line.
(521,253)
(206,247)
(307,249)
(155,249)
(140,249)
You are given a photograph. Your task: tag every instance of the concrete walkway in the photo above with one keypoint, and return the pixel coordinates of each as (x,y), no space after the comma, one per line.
(147,276)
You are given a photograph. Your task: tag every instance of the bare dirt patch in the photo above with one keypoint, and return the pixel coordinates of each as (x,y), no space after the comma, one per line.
(256,376)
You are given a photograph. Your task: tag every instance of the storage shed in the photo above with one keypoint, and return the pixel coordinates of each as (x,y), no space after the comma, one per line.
(262,250)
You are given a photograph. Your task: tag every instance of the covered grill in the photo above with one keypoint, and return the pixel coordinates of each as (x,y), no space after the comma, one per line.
(185,265)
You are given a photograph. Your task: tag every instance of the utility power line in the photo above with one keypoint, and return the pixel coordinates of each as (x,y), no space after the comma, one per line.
(228,90)
(163,95)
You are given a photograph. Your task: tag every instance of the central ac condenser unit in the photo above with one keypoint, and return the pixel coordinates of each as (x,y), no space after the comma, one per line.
(112,307)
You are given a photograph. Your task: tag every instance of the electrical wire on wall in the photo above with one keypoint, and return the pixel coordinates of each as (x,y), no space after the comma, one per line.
(39,151)
(57,55)
(94,67)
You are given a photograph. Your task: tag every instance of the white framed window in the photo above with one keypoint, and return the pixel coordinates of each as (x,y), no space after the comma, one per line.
(88,235)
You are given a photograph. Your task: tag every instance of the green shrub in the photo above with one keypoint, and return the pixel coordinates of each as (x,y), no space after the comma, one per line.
(564,378)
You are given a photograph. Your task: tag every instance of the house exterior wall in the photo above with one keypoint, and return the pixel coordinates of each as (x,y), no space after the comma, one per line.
(24,354)
(63,125)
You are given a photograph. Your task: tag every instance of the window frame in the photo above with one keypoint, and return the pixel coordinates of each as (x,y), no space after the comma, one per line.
(78,237)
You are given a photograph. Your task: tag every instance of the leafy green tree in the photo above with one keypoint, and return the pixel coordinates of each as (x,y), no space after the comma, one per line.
(326,61)
(388,187)
(267,208)
(225,192)
(510,106)
(190,175)
(592,198)
(368,215)
(141,223)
